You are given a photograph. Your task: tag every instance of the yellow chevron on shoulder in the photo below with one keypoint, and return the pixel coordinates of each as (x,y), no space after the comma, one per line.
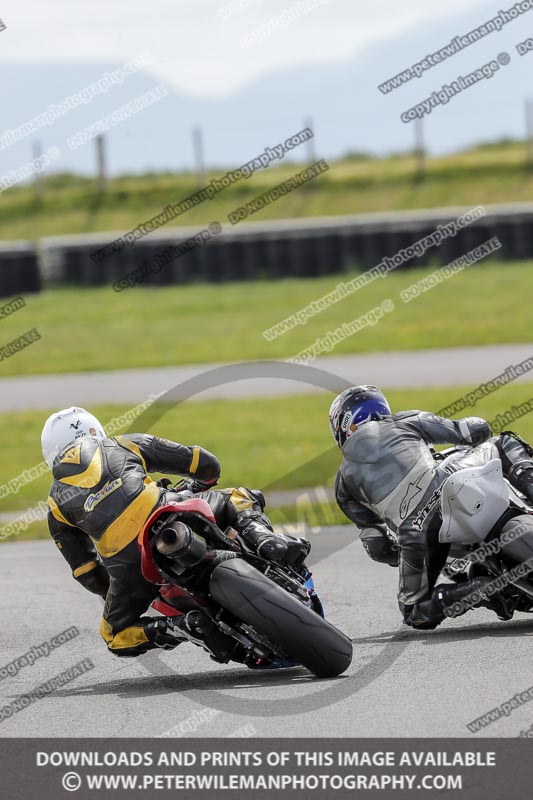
(72,456)
(89,477)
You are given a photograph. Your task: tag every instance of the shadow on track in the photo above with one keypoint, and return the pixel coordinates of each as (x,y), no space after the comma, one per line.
(487,630)
(200,681)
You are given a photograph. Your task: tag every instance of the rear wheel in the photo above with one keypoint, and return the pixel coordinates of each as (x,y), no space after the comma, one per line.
(285,621)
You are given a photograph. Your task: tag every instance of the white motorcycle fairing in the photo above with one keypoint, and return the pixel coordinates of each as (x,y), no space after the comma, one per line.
(472,502)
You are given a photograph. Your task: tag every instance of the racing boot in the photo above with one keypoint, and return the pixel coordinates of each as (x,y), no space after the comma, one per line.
(454,600)
(196,627)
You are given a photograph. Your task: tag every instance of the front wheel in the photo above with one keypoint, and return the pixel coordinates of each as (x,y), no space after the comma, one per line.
(301,633)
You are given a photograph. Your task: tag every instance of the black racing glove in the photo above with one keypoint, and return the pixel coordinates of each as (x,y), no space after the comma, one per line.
(189,485)
(271,546)
(275,546)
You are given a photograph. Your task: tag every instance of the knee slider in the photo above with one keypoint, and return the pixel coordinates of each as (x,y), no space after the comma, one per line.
(379,547)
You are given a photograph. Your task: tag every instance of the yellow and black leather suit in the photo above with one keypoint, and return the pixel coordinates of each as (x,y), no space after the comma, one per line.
(100,500)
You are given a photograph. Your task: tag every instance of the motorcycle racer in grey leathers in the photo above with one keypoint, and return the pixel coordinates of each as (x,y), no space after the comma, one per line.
(389,481)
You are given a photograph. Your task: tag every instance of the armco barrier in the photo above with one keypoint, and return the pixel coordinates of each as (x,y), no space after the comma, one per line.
(19,269)
(290,248)
(270,250)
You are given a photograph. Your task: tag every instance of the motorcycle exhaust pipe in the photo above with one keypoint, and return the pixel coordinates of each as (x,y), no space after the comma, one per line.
(178,542)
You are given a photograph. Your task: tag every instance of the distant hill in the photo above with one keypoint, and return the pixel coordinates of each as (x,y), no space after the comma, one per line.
(348,111)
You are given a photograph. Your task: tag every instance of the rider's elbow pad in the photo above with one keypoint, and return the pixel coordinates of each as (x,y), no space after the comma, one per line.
(475,430)
(207,467)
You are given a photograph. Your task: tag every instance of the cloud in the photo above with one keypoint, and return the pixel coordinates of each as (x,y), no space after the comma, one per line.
(198,50)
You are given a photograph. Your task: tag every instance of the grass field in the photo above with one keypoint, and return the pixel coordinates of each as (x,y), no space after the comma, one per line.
(98,329)
(486,174)
(281,443)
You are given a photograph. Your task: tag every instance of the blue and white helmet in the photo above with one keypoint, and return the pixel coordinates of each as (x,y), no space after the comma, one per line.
(353,407)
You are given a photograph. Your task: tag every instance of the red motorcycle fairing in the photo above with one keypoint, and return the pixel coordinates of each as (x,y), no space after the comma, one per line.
(170,592)
(148,566)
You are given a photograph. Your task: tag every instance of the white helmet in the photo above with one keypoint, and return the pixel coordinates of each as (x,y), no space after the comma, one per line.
(66,426)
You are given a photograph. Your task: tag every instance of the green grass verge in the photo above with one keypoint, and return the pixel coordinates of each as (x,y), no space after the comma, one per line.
(98,329)
(490,174)
(310,514)
(278,443)
(313,515)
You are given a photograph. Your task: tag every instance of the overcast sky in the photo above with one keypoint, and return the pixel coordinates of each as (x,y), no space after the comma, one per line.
(195,48)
